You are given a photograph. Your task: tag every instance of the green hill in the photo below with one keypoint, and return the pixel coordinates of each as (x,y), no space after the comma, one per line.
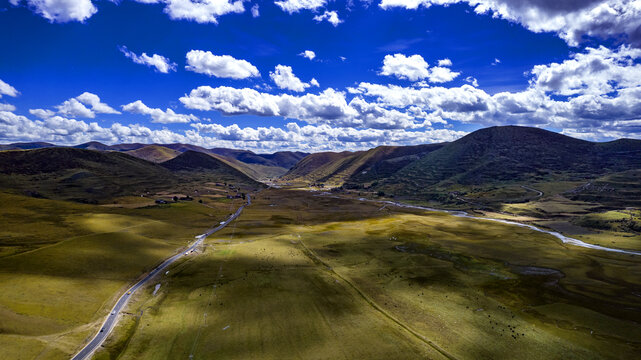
(154,153)
(208,166)
(509,154)
(78,174)
(352,168)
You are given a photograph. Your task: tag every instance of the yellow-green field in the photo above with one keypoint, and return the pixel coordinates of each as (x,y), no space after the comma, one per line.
(309,277)
(62,264)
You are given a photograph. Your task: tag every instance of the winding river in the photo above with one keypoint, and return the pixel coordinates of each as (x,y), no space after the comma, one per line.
(564,239)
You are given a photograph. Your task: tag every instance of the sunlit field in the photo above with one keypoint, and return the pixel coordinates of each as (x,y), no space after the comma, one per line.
(304,276)
(63,264)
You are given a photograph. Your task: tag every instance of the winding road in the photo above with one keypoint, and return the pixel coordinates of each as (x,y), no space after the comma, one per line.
(112,317)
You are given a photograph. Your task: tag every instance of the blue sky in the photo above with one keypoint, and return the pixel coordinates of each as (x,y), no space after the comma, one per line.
(231,74)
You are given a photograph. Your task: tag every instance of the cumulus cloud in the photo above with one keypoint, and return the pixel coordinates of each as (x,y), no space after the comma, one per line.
(597,71)
(255,11)
(158,115)
(415,68)
(222,66)
(445,62)
(6,89)
(60,11)
(472,80)
(324,137)
(594,93)
(160,63)
(61,130)
(85,105)
(202,11)
(42,113)
(7,107)
(329,107)
(284,78)
(308,54)
(294,6)
(330,16)
(573,20)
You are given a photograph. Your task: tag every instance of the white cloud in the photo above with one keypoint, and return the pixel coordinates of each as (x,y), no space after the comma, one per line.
(60,11)
(85,105)
(222,66)
(496,61)
(472,80)
(7,107)
(571,20)
(255,11)
(445,62)
(6,89)
(161,63)
(42,113)
(284,78)
(93,100)
(597,71)
(442,74)
(415,68)
(411,68)
(308,54)
(324,137)
(329,107)
(310,138)
(594,93)
(202,11)
(158,115)
(294,6)
(75,108)
(330,16)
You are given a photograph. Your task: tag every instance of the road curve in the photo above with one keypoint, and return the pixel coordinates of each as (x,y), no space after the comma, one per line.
(112,317)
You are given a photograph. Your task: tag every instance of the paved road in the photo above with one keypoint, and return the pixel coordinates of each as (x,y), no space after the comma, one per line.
(539,192)
(112,318)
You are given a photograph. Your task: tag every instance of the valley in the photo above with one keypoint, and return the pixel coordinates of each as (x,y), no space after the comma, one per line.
(482,248)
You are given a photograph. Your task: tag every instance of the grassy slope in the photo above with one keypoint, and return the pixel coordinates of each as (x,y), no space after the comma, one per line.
(63,262)
(357,167)
(510,154)
(154,153)
(477,289)
(80,175)
(194,164)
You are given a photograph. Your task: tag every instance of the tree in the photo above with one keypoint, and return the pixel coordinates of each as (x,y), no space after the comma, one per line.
(175,198)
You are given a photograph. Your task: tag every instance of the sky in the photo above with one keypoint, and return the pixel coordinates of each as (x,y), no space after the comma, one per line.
(316,75)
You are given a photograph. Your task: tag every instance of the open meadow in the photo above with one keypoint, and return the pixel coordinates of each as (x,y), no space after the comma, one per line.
(300,275)
(62,264)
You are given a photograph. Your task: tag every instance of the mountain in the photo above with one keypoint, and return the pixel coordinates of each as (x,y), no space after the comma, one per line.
(26,146)
(282,159)
(93,145)
(79,174)
(154,153)
(335,169)
(216,169)
(510,154)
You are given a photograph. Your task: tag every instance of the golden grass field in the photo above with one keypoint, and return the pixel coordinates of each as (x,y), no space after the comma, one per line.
(308,277)
(62,264)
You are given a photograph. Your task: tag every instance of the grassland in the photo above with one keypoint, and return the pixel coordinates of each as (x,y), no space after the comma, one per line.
(302,276)
(62,263)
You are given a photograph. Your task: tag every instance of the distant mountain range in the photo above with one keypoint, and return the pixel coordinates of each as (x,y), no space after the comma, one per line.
(495,156)
(487,157)
(256,166)
(83,175)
